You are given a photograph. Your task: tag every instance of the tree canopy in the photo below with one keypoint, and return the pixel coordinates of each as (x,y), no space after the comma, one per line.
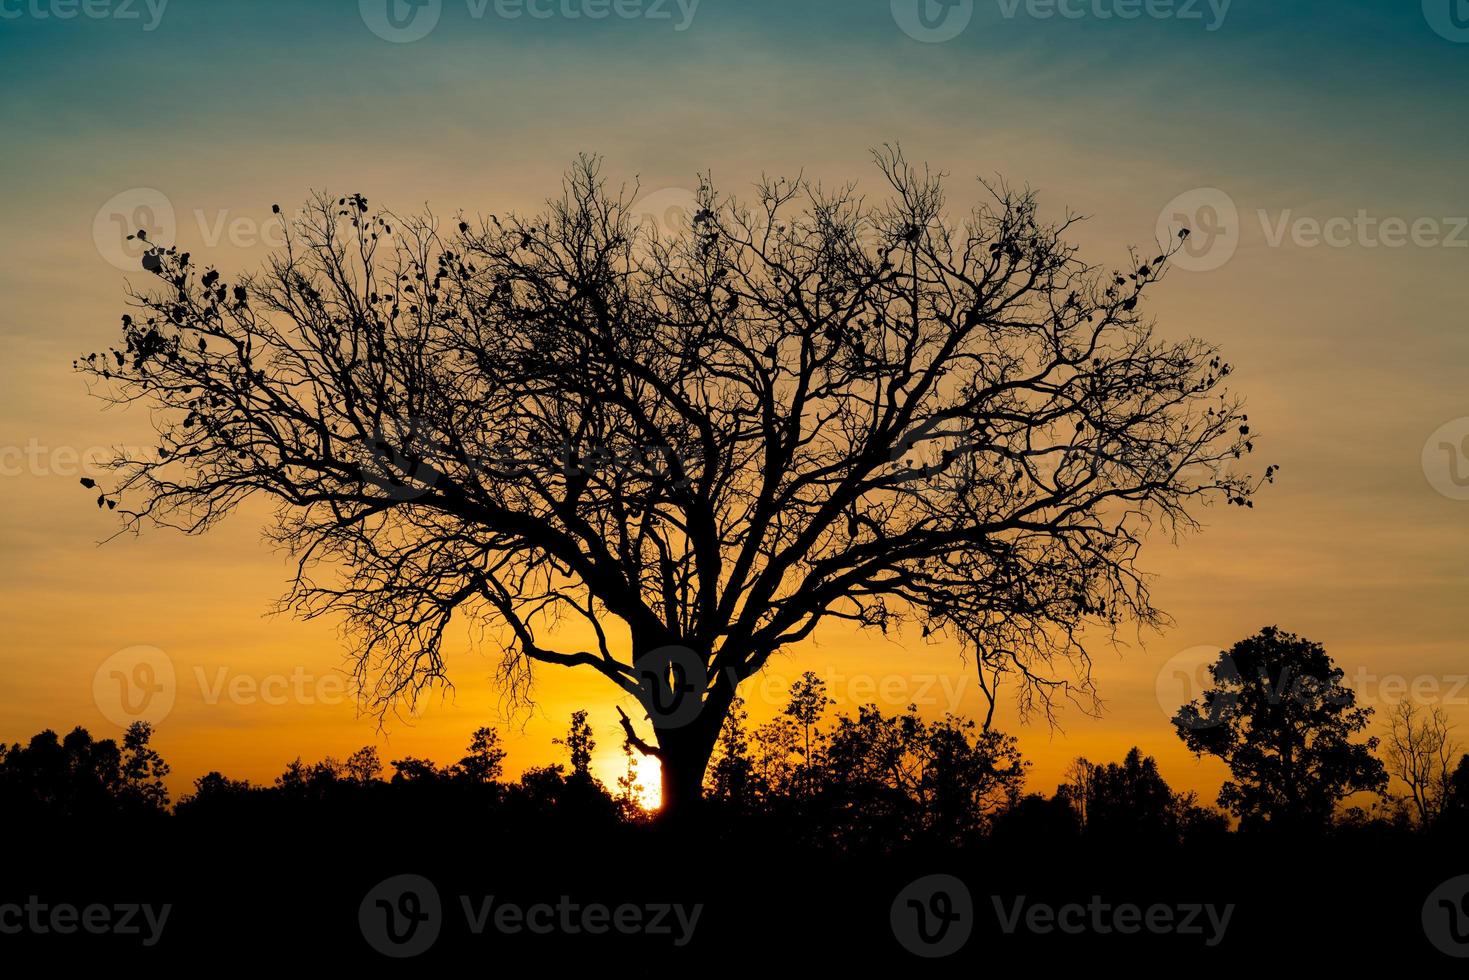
(1280,717)
(807,409)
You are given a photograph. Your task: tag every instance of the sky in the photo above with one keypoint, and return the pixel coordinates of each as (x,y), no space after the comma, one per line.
(1317,149)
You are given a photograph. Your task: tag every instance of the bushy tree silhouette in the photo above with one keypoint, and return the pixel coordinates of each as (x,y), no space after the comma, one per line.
(1133,802)
(1280,717)
(485,762)
(81,777)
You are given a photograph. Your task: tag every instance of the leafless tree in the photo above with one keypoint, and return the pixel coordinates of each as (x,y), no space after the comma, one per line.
(809,409)
(1076,782)
(1421,752)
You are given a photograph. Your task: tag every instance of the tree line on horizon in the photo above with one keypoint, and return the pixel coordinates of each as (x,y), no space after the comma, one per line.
(1277,715)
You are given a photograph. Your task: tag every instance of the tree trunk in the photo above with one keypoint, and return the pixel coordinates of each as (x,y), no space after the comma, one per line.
(685,742)
(686,751)
(684,761)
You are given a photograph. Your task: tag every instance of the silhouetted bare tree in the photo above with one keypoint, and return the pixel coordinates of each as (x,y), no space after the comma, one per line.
(809,409)
(1420,752)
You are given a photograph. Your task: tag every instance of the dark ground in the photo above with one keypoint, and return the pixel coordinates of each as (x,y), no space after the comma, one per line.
(289,897)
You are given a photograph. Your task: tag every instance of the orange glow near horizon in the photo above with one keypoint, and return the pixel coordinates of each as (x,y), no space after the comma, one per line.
(1351,357)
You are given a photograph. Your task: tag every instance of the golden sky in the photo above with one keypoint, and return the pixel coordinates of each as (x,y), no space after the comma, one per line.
(1353,352)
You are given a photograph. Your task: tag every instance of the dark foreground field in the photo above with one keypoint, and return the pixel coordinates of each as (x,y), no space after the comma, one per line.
(642,901)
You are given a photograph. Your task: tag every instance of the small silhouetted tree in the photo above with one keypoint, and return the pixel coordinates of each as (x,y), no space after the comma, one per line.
(1076,787)
(485,762)
(1278,714)
(807,703)
(363,766)
(1454,815)
(817,407)
(414,770)
(1420,751)
(775,747)
(629,797)
(215,795)
(732,772)
(143,769)
(1130,800)
(579,744)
